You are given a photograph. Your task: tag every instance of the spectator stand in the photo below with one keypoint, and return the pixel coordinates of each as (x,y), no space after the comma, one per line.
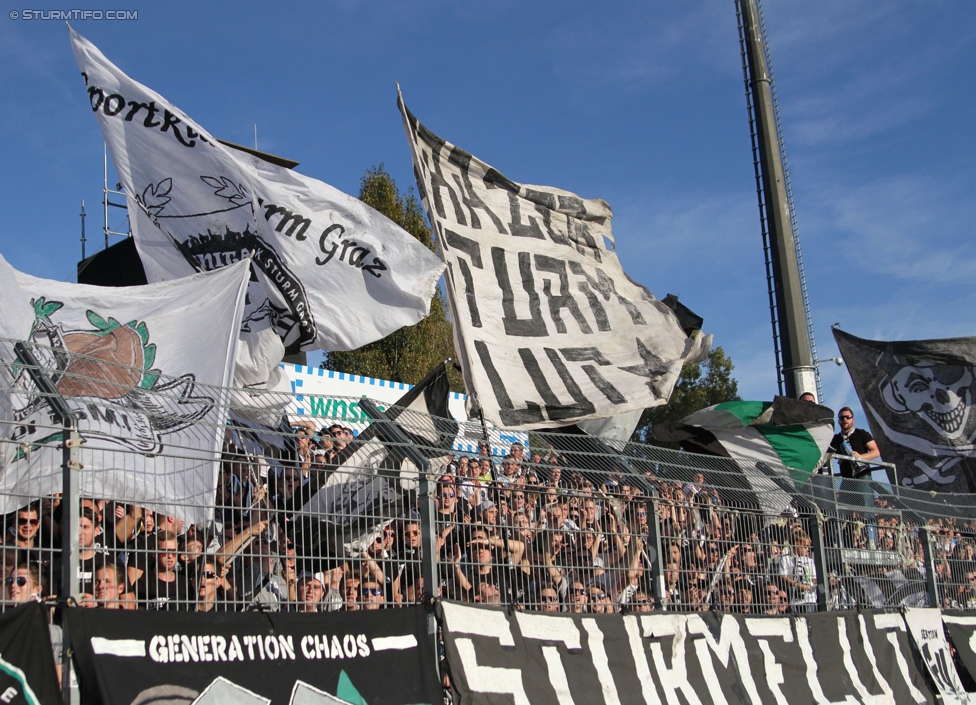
(305,517)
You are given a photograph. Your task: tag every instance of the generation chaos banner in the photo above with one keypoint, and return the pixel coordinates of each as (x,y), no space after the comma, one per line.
(254,657)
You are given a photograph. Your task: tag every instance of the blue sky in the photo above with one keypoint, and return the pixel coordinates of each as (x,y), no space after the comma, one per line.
(638,103)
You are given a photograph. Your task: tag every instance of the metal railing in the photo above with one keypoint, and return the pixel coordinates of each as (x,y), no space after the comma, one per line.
(309,516)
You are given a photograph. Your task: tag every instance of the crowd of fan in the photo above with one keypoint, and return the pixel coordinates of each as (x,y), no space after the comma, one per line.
(524,529)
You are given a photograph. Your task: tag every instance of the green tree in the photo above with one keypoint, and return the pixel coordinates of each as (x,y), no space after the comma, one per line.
(703,384)
(410,353)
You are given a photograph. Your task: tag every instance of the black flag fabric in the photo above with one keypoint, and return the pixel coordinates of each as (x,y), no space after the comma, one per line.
(918,398)
(27,675)
(252,657)
(423,414)
(960,628)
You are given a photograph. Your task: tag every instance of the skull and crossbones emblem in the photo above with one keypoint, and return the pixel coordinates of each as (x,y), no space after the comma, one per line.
(940,395)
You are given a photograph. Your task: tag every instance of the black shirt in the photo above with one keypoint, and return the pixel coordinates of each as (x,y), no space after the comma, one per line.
(859,440)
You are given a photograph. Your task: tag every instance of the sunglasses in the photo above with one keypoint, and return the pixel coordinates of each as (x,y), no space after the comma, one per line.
(598,595)
(845,416)
(550,598)
(31,522)
(375,592)
(20,580)
(208,575)
(447,495)
(580,591)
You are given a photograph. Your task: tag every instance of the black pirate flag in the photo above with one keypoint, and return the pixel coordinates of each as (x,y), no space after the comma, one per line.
(918,397)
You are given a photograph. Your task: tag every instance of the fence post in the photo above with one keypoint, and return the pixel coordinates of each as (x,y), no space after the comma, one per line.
(70,496)
(654,547)
(931,579)
(389,432)
(820,561)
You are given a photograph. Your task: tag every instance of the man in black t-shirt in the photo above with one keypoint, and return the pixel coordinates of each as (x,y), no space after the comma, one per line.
(862,445)
(857,443)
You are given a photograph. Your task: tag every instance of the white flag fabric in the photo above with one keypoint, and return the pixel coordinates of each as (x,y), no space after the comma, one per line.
(331,272)
(549,328)
(925,626)
(144,369)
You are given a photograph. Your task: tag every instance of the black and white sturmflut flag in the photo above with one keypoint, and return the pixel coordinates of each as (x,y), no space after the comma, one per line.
(548,327)
(918,397)
(373,474)
(330,272)
(144,369)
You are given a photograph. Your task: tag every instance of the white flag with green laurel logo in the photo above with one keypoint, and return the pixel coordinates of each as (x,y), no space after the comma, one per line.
(143,369)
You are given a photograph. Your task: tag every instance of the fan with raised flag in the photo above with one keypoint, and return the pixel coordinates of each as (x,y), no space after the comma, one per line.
(373,477)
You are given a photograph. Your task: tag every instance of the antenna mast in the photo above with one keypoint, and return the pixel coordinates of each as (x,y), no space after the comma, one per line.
(789,303)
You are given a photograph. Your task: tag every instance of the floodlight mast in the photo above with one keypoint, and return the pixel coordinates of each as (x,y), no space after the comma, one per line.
(789,306)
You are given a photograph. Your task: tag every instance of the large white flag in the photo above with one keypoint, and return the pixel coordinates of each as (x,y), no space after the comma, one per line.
(549,328)
(144,369)
(331,272)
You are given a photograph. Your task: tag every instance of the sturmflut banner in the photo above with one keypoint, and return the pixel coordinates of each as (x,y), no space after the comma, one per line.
(918,397)
(331,273)
(381,657)
(549,328)
(143,369)
(498,657)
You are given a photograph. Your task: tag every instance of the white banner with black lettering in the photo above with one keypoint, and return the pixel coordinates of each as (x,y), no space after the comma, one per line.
(501,657)
(144,369)
(549,328)
(925,626)
(332,273)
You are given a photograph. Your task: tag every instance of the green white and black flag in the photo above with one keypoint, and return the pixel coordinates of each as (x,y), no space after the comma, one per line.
(787,436)
(918,399)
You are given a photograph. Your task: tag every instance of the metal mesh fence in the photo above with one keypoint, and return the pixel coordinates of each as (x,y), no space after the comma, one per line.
(201,499)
